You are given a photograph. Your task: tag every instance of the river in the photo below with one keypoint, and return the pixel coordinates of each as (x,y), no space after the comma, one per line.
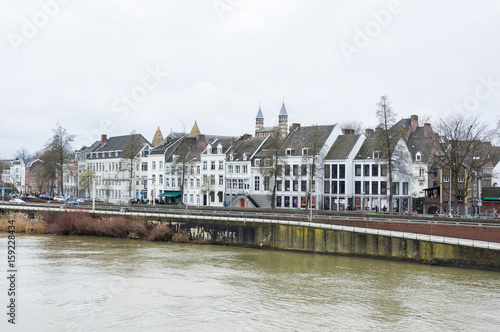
(103,284)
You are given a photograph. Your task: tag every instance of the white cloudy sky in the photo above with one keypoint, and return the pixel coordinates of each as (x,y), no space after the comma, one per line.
(74,68)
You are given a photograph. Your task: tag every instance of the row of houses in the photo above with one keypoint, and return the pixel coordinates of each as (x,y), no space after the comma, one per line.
(291,167)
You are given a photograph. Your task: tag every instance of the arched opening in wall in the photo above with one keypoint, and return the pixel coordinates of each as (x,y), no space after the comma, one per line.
(432,210)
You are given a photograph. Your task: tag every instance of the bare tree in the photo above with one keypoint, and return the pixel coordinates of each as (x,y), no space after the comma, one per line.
(182,159)
(357,126)
(130,156)
(86,179)
(313,157)
(58,151)
(386,140)
(272,165)
(464,148)
(23,154)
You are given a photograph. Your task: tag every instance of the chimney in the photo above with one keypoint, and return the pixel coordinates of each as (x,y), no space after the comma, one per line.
(368,132)
(348,131)
(295,126)
(104,139)
(200,142)
(414,121)
(428,132)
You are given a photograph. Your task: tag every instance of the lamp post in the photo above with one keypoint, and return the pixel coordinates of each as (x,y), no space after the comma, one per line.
(93,194)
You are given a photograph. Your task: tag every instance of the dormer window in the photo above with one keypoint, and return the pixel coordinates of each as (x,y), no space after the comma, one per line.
(231,157)
(245,156)
(175,157)
(376,155)
(257,162)
(289,151)
(305,151)
(219,149)
(209,149)
(418,156)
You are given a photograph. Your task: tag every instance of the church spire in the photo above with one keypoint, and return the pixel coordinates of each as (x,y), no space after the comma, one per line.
(195,131)
(157,138)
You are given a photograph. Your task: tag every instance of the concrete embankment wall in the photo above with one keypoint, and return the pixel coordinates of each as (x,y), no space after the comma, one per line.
(317,240)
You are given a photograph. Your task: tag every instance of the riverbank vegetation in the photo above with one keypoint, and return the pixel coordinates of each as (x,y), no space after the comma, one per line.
(81,223)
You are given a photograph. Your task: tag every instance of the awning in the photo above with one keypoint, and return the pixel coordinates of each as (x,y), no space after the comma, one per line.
(170,194)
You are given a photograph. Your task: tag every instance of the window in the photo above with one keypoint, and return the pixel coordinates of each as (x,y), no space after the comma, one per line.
(327,171)
(197,183)
(303,170)
(460,179)
(289,152)
(395,188)
(327,187)
(209,149)
(341,187)
(167,170)
(245,156)
(374,170)
(205,167)
(160,179)
(383,170)
(313,187)
(418,156)
(237,169)
(191,183)
(221,180)
(257,183)
(446,178)
(198,170)
(244,169)
(191,170)
(279,185)
(295,185)
(334,171)
(405,188)
(383,187)
(357,187)
(144,167)
(230,169)
(278,201)
(366,170)
(221,165)
(153,165)
(219,149)
(266,183)
(357,170)
(376,155)
(212,165)
(160,164)
(366,189)
(305,151)
(341,171)
(421,172)
(374,188)
(257,162)
(303,185)
(287,185)
(295,170)
(212,180)
(287,170)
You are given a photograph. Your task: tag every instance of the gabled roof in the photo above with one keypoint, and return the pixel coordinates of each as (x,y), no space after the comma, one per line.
(117,143)
(417,142)
(342,147)
(306,137)
(248,147)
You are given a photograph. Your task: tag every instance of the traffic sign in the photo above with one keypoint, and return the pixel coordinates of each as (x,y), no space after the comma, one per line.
(479,202)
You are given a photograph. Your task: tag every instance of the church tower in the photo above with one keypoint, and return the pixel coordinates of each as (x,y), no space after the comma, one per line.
(283,119)
(259,121)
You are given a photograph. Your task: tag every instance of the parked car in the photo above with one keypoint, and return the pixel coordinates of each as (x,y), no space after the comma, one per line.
(17,201)
(59,198)
(72,203)
(43,196)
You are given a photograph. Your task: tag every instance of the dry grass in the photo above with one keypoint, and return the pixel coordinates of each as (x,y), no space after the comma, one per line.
(23,223)
(81,223)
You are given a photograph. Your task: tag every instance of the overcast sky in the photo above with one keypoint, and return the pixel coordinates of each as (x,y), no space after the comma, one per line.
(114,66)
